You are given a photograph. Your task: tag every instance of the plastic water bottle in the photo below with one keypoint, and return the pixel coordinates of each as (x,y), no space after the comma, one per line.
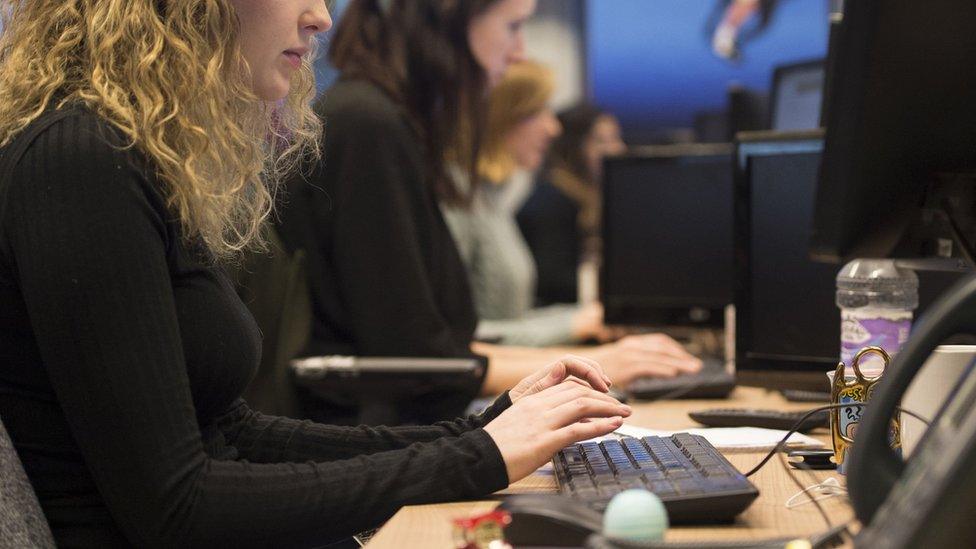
(877,300)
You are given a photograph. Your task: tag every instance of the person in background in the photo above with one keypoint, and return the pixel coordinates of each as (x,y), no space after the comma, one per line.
(519,129)
(384,271)
(384,274)
(728,29)
(561,218)
(141,142)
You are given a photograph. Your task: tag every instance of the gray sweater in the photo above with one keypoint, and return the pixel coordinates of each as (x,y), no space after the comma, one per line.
(501,268)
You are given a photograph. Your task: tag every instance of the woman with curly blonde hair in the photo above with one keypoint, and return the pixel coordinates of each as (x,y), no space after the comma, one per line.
(140,143)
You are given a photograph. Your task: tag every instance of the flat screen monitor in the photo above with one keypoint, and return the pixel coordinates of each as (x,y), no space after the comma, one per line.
(797,95)
(898,169)
(786,317)
(667,236)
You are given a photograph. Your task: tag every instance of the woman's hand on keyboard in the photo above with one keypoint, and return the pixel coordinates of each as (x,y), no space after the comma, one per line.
(540,424)
(580,368)
(650,355)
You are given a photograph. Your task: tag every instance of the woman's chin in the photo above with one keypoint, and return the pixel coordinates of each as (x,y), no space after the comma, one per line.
(273,90)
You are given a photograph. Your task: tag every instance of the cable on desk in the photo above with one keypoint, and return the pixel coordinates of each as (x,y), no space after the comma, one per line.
(782,443)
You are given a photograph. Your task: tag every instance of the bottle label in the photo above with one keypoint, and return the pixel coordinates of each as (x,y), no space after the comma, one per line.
(861,328)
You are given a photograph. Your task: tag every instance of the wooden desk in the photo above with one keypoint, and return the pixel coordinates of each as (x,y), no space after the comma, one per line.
(429,526)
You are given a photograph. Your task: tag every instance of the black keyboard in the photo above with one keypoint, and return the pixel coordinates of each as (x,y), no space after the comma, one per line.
(799,395)
(695,482)
(752,417)
(712,381)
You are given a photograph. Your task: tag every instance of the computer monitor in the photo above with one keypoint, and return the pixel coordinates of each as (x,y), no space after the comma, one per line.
(787,324)
(748,110)
(797,95)
(667,236)
(897,177)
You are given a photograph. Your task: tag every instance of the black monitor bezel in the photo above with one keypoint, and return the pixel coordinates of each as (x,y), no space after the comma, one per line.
(674,313)
(747,146)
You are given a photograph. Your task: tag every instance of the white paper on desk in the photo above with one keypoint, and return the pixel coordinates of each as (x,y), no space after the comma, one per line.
(728,438)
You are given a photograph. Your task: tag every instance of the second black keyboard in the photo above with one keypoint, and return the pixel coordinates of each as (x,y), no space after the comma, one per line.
(713,381)
(694,481)
(767,419)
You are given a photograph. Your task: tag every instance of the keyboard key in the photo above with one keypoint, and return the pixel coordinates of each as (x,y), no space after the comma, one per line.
(654,474)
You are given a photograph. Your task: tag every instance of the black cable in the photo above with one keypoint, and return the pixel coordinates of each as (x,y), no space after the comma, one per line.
(782,443)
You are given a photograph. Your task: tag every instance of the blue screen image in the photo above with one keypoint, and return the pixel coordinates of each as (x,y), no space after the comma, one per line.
(650,62)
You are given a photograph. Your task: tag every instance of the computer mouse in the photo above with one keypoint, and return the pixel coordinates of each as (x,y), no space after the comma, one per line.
(549,520)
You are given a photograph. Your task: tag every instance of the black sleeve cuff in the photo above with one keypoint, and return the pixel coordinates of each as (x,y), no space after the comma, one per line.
(495,474)
(502,403)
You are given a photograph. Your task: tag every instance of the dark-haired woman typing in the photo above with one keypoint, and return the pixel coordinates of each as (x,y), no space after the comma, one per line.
(385,273)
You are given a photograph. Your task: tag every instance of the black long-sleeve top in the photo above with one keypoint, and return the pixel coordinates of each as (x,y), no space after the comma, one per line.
(122,358)
(384,272)
(548,221)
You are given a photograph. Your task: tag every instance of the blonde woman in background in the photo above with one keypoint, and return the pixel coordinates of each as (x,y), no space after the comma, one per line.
(519,130)
(140,143)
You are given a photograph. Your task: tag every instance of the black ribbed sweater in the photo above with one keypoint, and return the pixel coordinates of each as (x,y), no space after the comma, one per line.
(385,275)
(122,358)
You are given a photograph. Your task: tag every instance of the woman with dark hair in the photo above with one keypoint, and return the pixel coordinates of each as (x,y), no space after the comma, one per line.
(385,274)
(140,143)
(561,218)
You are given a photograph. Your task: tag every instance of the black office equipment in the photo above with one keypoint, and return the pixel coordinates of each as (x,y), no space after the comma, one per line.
(667,236)
(811,459)
(797,395)
(745,110)
(754,417)
(381,384)
(785,314)
(712,381)
(897,177)
(551,520)
(787,324)
(898,181)
(694,481)
(797,96)
(748,110)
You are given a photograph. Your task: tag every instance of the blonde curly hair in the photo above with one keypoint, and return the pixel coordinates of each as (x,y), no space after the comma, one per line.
(171,77)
